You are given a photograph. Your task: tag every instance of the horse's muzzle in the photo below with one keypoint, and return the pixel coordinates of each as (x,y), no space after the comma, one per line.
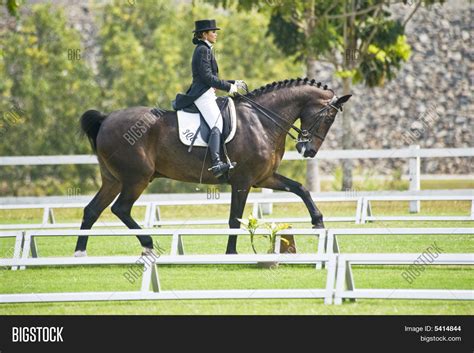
(305,149)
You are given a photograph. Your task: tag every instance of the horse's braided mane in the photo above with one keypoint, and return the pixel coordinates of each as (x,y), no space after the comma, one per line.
(269,87)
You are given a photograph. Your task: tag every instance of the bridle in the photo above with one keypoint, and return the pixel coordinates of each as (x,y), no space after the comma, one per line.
(304,135)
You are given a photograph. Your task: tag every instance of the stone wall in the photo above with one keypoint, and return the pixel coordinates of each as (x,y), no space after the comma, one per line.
(429,103)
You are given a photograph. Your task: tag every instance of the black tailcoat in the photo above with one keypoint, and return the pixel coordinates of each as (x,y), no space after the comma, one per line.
(205,76)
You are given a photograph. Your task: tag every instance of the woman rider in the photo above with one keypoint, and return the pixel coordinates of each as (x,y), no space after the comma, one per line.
(202,90)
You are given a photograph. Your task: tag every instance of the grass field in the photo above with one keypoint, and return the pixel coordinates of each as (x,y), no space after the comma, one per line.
(111,278)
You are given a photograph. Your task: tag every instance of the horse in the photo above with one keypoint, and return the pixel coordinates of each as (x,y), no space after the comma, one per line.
(264,118)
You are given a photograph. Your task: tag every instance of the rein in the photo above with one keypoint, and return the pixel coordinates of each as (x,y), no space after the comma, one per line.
(305,134)
(263,109)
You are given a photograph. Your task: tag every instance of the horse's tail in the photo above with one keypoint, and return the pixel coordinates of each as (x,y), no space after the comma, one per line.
(90,125)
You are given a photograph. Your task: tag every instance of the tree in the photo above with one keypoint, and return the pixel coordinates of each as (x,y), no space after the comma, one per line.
(12,6)
(360,38)
(45,87)
(144,58)
(146,51)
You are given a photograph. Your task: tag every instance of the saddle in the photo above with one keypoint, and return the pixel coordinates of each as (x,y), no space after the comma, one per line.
(193,129)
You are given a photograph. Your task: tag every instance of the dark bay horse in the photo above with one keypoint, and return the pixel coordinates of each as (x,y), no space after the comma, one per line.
(128,164)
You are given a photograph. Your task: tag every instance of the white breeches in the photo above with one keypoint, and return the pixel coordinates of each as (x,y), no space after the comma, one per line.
(209,109)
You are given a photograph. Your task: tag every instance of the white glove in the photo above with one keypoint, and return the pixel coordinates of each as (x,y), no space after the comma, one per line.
(241,84)
(233,88)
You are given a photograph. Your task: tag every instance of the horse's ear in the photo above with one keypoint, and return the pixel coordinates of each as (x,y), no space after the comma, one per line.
(342,100)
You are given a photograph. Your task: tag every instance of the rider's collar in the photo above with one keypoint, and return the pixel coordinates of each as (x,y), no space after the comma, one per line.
(209,44)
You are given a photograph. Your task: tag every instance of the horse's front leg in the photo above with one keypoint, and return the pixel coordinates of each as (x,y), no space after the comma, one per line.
(239,198)
(279,182)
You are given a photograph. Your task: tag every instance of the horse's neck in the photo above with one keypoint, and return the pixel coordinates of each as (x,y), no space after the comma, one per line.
(286,108)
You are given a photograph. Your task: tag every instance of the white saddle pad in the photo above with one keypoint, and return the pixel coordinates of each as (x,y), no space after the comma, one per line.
(188,123)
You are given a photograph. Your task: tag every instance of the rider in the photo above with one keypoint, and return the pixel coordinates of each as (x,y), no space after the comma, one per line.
(202,90)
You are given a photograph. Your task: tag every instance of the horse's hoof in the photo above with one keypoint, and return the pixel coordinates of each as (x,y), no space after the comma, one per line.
(319,225)
(233,252)
(80,253)
(149,252)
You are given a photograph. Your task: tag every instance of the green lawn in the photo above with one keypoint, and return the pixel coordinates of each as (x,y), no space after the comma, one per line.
(111,278)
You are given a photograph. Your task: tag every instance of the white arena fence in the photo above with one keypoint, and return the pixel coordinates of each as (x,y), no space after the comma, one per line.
(16,250)
(153,202)
(367,216)
(153,216)
(28,245)
(339,281)
(345,287)
(413,154)
(414,151)
(151,289)
(332,245)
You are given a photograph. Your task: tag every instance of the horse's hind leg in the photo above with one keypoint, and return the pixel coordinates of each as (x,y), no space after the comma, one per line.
(108,191)
(122,208)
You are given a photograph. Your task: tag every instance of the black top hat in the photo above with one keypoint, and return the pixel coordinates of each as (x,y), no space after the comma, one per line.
(205,25)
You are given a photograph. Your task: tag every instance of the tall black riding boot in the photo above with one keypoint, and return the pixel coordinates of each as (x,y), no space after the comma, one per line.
(218,167)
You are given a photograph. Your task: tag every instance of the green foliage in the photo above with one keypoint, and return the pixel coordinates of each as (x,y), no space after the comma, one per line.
(259,60)
(396,182)
(46,84)
(145,53)
(50,89)
(294,38)
(252,224)
(336,184)
(12,6)
(147,50)
(372,47)
(361,39)
(49,79)
(384,55)
(274,229)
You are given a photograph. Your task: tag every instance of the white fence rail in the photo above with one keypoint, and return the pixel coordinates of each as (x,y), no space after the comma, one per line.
(153,218)
(151,289)
(405,153)
(15,251)
(29,244)
(345,286)
(332,245)
(367,215)
(414,154)
(26,245)
(339,279)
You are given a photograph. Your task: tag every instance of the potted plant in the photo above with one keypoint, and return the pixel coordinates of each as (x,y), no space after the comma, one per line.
(252,224)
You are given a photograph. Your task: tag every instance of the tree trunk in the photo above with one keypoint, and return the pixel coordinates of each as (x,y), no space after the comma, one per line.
(311,168)
(347,142)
